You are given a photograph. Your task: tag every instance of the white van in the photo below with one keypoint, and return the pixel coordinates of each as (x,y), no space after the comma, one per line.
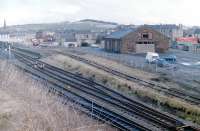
(151,57)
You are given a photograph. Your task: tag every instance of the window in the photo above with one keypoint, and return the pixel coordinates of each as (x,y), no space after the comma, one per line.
(139,42)
(145,36)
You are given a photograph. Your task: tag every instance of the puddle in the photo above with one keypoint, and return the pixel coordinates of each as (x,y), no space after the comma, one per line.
(190,64)
(186,64)
(197,63)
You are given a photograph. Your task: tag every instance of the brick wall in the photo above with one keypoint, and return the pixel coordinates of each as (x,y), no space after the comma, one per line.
(129,42)
(144,48)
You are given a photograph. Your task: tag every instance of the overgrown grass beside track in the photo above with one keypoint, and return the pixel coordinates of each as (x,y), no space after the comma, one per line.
(26,105)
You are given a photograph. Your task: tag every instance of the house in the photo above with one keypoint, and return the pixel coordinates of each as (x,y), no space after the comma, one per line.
(137,40)
(4,35)
(170,30)
(45,36)
(86,37)
(70,43)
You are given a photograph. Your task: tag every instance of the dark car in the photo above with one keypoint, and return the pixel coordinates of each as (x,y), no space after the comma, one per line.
(162,63)
(170,59)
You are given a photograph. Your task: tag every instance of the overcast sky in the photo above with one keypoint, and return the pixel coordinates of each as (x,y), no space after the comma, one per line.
(122,11)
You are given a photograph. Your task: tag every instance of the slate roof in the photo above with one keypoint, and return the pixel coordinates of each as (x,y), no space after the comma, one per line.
(119,34)
(168,26)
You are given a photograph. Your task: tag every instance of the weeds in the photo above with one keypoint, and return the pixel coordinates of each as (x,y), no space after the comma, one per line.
(35,109)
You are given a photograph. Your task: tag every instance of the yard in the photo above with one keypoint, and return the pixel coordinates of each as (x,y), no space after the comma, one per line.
(134,65)
(187,72)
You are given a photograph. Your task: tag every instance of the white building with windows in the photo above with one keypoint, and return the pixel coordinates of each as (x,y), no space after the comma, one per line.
(170,30)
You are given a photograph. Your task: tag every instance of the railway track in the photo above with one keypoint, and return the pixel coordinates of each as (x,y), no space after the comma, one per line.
(106,95)
(98,111)
(169,91)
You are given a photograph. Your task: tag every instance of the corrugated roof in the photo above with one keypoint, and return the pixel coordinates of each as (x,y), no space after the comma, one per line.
(192,40)
(120,34)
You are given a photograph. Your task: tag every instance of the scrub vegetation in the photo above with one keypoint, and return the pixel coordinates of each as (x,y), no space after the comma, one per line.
(27,105)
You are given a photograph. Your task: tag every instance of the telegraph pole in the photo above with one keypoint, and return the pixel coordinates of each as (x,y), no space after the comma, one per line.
(9,52)
(4,24)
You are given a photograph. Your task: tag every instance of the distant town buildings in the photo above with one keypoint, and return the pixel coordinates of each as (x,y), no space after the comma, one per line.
(70,44)
(4,34)
(111,36)
(170,30)
(66,35)
(45,36)
(86,37)
(187,40)
(188,44)
(197,33)
(137,40)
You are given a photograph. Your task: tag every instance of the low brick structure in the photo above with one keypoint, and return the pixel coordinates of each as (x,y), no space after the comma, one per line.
(140,40)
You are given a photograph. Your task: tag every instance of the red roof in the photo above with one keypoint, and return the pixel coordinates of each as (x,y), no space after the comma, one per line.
(192,40)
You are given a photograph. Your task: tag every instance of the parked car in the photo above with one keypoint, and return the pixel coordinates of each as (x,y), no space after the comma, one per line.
(151,57)
(170,59)
(162,63)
